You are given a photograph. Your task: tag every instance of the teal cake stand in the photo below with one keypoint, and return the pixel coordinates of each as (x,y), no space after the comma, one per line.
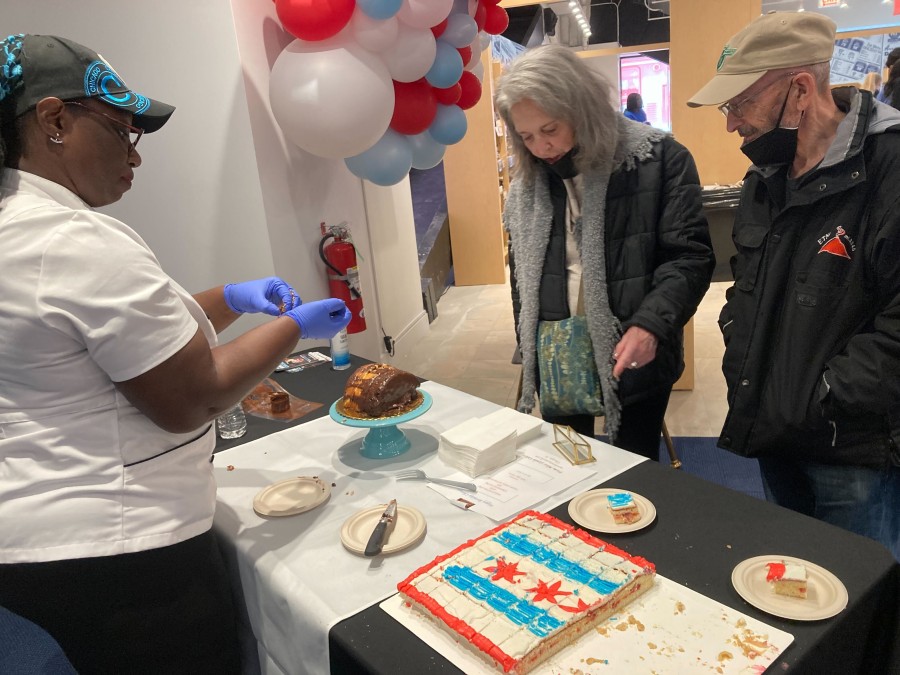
(384,439)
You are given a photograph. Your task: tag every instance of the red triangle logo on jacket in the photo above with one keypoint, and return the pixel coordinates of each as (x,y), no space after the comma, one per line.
(835,246)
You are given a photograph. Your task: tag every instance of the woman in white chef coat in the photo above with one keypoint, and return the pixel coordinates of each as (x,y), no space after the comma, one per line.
(110,380)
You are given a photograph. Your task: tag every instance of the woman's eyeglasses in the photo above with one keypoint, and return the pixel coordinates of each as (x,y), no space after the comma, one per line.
(128,133)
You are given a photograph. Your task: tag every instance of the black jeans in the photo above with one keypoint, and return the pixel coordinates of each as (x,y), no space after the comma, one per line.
(640,431)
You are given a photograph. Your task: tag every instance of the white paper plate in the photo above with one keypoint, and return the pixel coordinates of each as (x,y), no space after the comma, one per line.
(825,594)
(589,510)
(291,496)
(409,528)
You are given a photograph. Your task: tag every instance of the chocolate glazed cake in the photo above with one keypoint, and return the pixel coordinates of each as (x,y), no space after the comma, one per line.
(379,390)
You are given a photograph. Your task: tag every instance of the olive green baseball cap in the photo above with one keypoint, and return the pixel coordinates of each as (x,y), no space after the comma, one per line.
(769,42)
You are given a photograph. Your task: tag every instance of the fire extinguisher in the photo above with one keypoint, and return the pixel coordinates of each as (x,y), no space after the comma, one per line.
(343,275)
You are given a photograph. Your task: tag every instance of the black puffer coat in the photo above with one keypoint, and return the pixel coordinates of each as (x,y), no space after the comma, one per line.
(659,258)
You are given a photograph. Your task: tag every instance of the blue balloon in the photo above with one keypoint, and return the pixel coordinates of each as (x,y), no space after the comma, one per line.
(461,30)
(385,163)
(379,9)
(426,152)
(449,125)
(447,67)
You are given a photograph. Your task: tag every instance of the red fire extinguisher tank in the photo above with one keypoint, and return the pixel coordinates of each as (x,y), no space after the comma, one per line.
(339,257)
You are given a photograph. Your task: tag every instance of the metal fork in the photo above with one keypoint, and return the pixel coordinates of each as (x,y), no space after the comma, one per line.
(418,474)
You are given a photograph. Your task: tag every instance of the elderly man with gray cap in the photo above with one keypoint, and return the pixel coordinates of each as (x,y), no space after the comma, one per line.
(812,323)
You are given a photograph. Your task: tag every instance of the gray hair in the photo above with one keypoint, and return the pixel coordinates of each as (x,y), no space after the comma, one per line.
(564,87)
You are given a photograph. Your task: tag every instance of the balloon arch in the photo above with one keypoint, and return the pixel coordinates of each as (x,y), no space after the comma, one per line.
(382,84)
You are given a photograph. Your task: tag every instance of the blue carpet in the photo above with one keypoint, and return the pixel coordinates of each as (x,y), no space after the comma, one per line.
(700,457)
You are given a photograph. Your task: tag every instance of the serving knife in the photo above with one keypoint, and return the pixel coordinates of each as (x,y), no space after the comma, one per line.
(379,534)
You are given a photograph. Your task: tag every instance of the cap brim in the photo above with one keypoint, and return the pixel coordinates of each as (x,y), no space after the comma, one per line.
(152,118)
(723,88)
(149,114)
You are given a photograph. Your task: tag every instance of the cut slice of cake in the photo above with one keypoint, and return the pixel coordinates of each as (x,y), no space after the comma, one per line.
(526,589)
(623,509)
(787,578)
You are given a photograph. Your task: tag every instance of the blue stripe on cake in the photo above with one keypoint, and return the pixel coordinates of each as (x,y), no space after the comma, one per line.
(518,610)
(619,499)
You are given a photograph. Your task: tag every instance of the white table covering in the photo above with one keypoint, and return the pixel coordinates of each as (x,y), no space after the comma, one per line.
(297,578)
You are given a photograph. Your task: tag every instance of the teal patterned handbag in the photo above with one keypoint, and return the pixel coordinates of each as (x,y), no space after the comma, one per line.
(570,384)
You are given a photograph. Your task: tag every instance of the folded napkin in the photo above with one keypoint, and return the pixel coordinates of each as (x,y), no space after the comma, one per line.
(482,444)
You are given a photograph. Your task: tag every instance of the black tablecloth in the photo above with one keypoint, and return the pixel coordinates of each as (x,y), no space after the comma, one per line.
(319,384)
(701,533)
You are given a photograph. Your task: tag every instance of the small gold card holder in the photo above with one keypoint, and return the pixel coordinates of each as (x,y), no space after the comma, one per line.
(571,445)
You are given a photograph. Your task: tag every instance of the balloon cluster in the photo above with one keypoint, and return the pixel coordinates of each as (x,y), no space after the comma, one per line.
(381,83)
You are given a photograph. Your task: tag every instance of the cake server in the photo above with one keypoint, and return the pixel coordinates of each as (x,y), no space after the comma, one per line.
(380,533)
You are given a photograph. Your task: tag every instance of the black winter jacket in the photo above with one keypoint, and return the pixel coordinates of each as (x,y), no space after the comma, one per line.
(659,259)
(812,323)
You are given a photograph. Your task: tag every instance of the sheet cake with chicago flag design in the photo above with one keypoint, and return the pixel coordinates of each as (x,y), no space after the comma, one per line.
(526,589)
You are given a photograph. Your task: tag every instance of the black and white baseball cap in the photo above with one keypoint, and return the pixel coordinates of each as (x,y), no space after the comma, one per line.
(33,67)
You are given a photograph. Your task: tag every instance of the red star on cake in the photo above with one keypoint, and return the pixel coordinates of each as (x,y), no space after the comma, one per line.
(504,570)
(580,607)
(548,593)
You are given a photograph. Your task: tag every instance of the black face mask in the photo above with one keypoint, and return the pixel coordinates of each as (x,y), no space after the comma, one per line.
(564,167)
(776,146)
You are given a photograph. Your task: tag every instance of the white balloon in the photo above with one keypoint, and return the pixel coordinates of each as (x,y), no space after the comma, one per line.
(424,13)
(485,40)
(478,70)
(373,34)
(411,55)
(331,97)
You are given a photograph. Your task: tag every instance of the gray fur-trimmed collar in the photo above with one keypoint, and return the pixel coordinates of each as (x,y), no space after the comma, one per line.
(528,215)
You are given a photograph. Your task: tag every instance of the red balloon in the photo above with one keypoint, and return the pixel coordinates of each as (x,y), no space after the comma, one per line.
(415,106)
(465,53)
(480,15)
(313,20)
(450,95)
(471,90)
(439,29)
(496,21)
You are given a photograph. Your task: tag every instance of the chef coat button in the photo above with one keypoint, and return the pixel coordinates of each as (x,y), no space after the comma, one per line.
(855,174)
(745,383)
(822,187)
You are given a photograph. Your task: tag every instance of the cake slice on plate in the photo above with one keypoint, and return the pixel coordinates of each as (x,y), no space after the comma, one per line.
(787,578)
(623,509)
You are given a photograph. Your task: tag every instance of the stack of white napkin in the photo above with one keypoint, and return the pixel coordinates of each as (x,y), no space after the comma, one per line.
(482,444)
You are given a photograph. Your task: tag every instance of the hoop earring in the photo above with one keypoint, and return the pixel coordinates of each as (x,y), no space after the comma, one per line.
(56,139)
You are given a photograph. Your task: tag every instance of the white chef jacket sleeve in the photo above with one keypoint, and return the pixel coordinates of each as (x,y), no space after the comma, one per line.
(102,286)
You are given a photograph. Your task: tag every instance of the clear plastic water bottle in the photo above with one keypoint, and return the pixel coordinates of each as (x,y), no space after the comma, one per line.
(232,423)
(340,351)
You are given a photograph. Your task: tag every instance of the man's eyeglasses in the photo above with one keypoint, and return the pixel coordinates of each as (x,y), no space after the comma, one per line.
(738,109)
(128,133)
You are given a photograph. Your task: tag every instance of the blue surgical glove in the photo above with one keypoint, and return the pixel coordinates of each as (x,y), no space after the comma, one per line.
(321,319)
(270,295)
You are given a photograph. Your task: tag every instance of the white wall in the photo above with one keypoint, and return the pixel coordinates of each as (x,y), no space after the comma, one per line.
(221,196)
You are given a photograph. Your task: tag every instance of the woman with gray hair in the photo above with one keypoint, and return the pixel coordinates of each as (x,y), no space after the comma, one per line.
(605,221)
